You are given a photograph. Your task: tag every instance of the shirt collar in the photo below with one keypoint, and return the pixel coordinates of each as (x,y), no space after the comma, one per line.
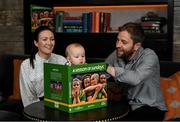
(42,59)
(138,54)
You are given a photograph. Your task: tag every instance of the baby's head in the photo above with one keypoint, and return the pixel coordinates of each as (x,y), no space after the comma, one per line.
(75,54)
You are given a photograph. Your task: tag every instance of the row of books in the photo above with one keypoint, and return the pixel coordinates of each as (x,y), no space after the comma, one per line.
(153,24)
(60,21)
(96,22)
(88,22)
(67,23)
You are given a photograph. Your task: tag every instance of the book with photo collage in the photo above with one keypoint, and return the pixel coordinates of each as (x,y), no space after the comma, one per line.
(42,16)
(75,88)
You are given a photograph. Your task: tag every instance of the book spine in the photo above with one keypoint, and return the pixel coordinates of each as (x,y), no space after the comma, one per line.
(157,19)
(97,22)
(101,28)
(90,22)
(72,18)
(72,21)
(72,29)
(85,22)
(157,24)
(59,21)
(107,21)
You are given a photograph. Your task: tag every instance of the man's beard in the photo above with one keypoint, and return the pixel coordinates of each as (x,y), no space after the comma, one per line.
(125,55)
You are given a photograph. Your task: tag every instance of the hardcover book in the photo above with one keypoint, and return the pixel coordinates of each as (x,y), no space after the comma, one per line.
(59,21)
(42,16)
(75,88)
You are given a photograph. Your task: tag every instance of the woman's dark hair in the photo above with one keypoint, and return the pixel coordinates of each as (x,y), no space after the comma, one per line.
(135,30)
(36,38)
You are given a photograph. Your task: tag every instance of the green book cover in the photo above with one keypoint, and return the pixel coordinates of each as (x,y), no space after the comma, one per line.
(75,88)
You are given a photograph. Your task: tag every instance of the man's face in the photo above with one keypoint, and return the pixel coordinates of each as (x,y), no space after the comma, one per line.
(124,45)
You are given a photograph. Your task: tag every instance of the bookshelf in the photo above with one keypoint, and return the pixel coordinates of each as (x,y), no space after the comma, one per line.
(100,45)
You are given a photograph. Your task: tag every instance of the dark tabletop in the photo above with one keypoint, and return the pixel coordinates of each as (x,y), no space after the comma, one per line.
(114,111)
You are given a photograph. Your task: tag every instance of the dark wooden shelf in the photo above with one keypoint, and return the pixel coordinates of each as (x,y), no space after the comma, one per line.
(100,45)
(156,35)
(97,2)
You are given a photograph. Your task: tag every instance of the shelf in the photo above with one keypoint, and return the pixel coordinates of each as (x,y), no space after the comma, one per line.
(97,2)
(157,35)
(64,8)
(104,35)
(86,34)
(100,45)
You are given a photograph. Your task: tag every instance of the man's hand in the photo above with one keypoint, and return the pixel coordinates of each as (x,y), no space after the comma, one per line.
(111,70)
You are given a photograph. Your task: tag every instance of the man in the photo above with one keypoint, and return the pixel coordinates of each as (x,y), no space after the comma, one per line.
(139,68)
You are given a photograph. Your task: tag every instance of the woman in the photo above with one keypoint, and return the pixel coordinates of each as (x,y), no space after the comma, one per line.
(32,69)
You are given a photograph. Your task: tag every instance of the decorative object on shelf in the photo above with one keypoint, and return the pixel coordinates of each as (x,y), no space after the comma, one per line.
(152,23)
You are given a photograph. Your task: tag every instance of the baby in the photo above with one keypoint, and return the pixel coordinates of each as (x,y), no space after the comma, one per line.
(75,54)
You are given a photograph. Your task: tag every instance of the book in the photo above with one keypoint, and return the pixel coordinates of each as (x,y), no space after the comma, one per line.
(73,28)
(156,19)
(73,88)
(72,18)
(96,22)
(59,21)
(101,28)
(151,28)
(151,23)
(107,21)
(85,22)
(42,16)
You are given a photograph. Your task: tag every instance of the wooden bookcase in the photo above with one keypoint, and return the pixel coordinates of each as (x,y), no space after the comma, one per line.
(100,45)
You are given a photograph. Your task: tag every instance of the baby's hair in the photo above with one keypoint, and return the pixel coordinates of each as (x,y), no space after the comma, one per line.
(70,46)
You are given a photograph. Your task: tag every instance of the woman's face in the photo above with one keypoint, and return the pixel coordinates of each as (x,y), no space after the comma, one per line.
(103,78)
(45,43)
(87,82)
(76,85)
(94,80)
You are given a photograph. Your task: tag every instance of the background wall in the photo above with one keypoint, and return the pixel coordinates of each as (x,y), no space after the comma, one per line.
(176,51)
(12,28)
